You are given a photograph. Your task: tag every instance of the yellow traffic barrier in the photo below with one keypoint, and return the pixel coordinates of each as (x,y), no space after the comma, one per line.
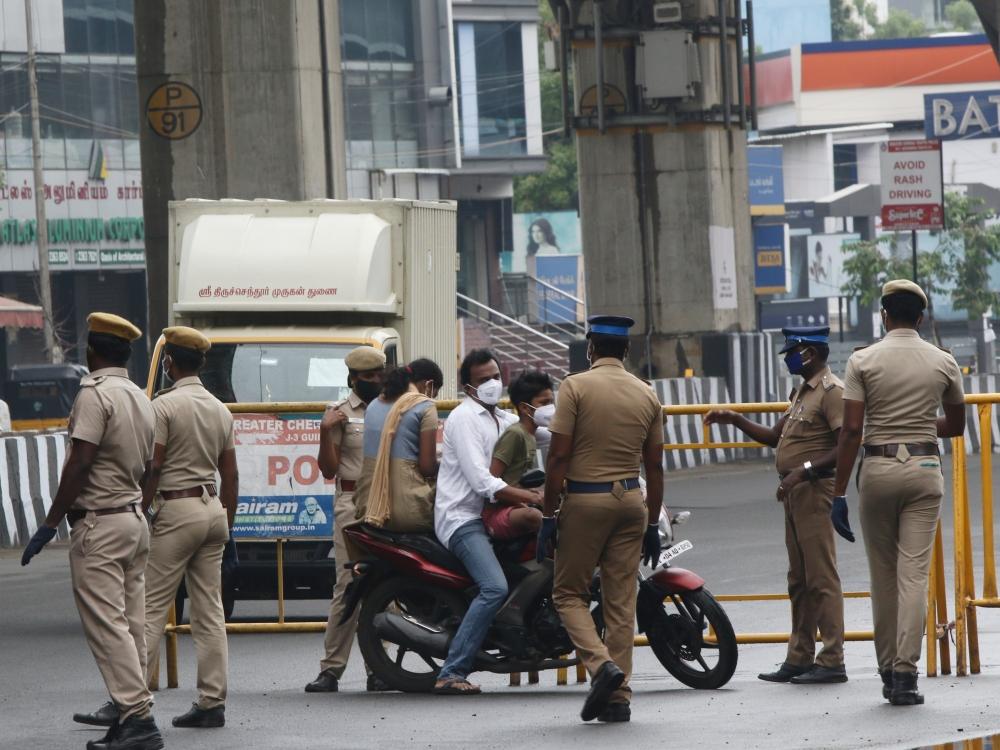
(966,630)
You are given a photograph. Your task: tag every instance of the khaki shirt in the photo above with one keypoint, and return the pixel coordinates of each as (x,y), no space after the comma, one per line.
(609,413)
(816,413)
(902,380)
(195,427)
(351,436)
(113,413)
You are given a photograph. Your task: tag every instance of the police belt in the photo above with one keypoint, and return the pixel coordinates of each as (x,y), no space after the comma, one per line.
(816,474)
(190,492)
(75,514)
(891,450)
(597,487)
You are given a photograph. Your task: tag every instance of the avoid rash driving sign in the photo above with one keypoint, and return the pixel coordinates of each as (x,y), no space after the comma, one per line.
(912,196)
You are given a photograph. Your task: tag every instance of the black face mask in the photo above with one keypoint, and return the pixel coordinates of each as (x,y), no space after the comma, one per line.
(367,390)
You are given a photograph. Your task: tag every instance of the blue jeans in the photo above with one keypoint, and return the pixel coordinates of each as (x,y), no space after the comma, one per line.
(471,545)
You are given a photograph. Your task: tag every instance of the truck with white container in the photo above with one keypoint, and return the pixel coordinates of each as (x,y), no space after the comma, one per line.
(284,290)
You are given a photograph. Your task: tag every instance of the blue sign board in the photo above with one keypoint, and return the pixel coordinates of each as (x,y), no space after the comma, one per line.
(767,191)
(563,273)
(962,116)
(770,259)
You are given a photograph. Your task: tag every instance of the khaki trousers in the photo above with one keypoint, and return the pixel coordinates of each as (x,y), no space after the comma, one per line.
(600,530)
(188,537)
(813,581)
(340,638)
(900,503)
(107,558)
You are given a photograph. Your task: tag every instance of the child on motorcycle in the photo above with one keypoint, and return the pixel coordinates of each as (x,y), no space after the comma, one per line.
(532,396)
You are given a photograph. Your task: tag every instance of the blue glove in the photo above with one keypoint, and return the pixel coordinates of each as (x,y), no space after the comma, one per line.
(651,545)
(43,536)
(545,533)
(838,514)
(230,561)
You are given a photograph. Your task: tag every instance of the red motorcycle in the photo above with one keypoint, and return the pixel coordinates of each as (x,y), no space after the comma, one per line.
(413,594)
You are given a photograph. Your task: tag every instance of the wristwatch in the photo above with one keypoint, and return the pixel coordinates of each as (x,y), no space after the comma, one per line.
(809,470)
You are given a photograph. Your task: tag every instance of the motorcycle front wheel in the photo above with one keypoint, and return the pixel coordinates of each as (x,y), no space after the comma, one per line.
(680,639)
(399,667)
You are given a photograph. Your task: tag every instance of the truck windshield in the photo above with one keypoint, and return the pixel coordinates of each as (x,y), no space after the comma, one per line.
(242,373)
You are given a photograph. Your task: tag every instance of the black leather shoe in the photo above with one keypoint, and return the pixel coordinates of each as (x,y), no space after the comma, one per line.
(821,676)
(105,716)
(326,682)
(615,713)
(375,685)
(607,680)
(886,675)
(904,690)
(202,718)
(784,674)
(132,734)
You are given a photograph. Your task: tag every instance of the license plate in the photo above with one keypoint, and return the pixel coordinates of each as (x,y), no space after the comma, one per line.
(678,549)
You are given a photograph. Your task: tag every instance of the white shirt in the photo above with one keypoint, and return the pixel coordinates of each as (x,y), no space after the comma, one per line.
(464,482)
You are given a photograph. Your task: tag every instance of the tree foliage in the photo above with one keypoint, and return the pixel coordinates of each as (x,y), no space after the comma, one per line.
(961,16)
(960,263)
(900,25)
(554,189)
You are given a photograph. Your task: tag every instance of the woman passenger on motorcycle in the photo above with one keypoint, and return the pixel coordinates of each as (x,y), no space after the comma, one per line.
(515,453)
(396,488)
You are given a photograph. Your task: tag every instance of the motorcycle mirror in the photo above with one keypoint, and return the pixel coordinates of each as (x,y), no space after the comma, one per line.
(679,519)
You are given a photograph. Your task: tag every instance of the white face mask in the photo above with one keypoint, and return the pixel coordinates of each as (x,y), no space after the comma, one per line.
(489,392)
(543,415)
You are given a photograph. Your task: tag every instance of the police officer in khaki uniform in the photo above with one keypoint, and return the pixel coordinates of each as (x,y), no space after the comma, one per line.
(191,518)
(111,442)
(892,392)
(341,453)
(806,441)
(606,420)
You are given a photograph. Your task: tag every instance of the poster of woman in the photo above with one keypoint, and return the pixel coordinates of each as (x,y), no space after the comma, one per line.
(542,234)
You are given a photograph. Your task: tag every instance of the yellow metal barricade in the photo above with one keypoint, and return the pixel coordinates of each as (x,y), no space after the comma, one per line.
(966,601)
(966,631)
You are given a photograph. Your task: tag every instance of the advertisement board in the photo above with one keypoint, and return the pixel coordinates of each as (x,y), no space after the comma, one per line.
(563,273)
(825,263)
(963,115)
(540,234)
(765,177)
(282,492)
(770,248)
(912,194)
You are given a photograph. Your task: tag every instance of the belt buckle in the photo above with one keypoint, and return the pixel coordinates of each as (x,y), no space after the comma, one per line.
(618,490)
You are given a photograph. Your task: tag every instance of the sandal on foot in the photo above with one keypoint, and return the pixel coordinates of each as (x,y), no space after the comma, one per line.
(456,686)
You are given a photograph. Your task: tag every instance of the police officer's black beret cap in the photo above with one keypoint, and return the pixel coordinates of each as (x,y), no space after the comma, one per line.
(609,325)
(804,335)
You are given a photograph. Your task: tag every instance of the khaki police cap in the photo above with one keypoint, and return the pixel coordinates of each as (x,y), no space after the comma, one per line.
(113,325)
(189,338)
(897,286)
(365,358)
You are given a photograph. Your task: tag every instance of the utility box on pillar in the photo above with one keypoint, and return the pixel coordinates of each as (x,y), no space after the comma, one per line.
(657,103)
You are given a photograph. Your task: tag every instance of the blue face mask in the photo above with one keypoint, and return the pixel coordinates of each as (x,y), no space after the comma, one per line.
(795,363)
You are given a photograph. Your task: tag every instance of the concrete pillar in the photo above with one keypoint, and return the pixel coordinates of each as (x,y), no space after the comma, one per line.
(660,196)
(269,80)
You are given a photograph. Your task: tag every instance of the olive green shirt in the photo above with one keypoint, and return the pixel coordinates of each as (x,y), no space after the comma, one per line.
(516,449)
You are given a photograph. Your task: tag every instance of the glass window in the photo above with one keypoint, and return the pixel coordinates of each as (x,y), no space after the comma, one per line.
(845,165)
(128,94)
(104,101)
(498,87)
(102,26)
(276,372)
(75,26)
(125,23)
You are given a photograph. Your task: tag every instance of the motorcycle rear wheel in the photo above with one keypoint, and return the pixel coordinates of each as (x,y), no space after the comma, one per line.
(399,667)
(679,639)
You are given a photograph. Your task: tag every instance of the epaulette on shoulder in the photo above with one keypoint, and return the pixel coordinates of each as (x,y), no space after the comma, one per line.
(830,382)
(946,351)
(791,394)
(861,348)
(90,382)
(161,392)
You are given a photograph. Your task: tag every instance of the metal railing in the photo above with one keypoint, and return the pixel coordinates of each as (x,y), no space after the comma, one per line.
(544,305)
(515,341)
